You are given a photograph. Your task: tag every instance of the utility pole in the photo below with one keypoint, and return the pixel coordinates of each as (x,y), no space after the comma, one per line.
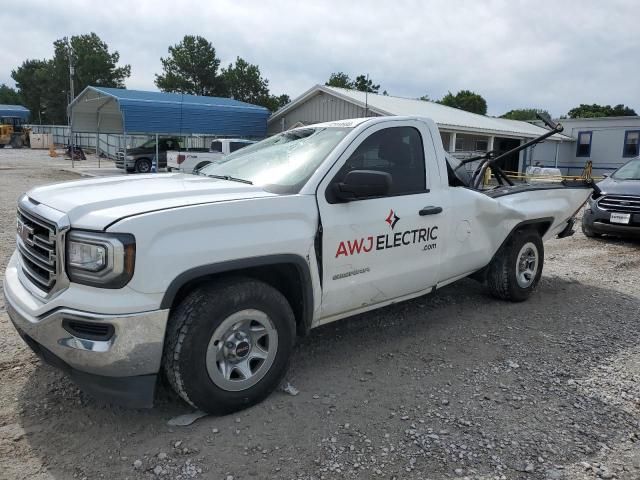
(366,98)
(72,71)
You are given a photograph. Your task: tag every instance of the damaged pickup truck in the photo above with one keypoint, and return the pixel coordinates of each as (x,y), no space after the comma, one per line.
(207,279)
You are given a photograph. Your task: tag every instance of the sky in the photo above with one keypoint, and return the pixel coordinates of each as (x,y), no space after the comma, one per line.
(544,54)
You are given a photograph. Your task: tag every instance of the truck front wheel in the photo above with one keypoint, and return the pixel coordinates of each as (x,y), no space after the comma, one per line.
(143,165)
(516,269)
(228,344)
(587,230)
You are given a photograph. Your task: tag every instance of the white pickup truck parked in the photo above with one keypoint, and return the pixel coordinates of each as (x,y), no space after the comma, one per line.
(189,161)
(306,227)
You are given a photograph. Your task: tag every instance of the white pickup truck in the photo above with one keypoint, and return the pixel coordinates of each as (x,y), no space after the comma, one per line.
(189,161)
(306,227)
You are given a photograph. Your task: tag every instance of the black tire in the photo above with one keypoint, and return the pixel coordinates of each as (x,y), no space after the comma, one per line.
(16,142)
(502,275)
(587,231)
(191,327)
(143,165)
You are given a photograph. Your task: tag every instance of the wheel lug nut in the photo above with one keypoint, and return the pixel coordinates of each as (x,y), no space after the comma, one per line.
(238,335)
(230,344)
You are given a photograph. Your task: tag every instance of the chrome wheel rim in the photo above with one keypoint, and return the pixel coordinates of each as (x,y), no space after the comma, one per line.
(242,350)
(527,266)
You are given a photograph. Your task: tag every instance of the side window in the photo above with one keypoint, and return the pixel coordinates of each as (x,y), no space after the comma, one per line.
(233,146)
(583,148)
(397,151)
(482,145)
(631,142)
(216,146)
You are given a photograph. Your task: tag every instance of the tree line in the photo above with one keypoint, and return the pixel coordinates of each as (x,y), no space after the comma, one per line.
(475,103)
(192,67)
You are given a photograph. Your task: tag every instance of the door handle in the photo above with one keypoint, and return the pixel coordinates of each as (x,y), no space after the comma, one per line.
(430,210)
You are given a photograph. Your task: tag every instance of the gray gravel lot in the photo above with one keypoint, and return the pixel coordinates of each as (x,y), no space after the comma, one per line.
(452,385)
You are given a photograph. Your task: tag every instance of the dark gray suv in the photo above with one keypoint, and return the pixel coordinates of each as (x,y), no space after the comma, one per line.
(616,210)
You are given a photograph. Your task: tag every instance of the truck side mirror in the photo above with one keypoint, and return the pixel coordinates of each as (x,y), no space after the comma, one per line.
(358,184)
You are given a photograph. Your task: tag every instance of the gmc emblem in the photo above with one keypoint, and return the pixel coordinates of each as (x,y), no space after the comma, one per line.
(25,232)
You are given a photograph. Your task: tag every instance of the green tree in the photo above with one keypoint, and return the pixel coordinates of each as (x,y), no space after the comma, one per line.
(425,98)
(364,84)
(341,80)
(525,114)
(465,100)
(243,81)
(276,102)
(192,67)
(94,65)
(361,83)
(9,96)
(592,111)
(31,81)
(44,84)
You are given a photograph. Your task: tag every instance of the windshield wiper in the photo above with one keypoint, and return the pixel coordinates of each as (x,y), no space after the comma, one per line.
(229,178)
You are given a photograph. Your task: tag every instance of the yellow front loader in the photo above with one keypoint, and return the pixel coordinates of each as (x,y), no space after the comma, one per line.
(14,133)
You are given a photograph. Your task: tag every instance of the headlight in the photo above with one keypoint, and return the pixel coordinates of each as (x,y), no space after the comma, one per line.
(129,157)
(99,259)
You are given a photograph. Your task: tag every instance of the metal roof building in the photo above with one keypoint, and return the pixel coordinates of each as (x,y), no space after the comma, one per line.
(463,133)
(608,142)
(115,110)
(14,111)
(371,105)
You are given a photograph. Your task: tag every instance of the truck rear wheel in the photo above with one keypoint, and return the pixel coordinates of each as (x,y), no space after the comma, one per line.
(16,142)
(228,344)
(515,271)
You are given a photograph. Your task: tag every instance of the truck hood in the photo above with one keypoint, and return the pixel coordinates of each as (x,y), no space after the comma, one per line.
(139,150)
(96,203)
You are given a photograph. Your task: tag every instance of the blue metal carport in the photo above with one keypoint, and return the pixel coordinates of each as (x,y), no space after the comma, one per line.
(115,110)
(14,111)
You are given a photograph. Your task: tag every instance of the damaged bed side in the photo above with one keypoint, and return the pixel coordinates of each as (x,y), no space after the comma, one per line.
(555,202)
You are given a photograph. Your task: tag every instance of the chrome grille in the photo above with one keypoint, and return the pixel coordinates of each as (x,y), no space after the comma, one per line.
(620,203)
(120,159)
(37,244)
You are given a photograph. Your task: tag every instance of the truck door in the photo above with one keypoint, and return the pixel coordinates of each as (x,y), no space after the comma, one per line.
(378,249)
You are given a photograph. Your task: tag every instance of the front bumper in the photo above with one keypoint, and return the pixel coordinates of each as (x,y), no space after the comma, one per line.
(131,164)
(598,221)
(121,369)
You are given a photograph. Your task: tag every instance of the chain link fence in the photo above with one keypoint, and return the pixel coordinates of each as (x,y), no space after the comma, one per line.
(107,145)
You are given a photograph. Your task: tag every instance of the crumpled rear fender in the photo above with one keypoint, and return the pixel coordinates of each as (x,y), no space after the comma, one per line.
(553,207)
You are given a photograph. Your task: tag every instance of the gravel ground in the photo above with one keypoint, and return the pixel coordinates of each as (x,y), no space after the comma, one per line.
(452,385)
